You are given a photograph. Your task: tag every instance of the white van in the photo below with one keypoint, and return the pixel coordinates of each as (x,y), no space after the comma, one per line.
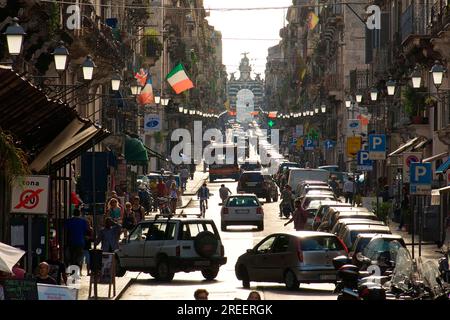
(297,175)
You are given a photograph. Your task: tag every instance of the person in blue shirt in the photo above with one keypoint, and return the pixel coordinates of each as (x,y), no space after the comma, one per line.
(77,229)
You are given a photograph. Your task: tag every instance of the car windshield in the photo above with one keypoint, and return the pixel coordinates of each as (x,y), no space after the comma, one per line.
(327,243)
(382,251)
(243,202)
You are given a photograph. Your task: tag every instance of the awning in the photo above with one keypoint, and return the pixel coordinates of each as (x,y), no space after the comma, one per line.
(422,144)
(436,157)
(135,152)
(443,167)
(411,143)
(153,153)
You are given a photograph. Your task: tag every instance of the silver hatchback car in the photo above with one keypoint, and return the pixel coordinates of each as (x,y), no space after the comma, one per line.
(291,258)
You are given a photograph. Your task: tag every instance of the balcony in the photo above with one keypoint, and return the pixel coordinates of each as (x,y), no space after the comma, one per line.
(333,83)
(413,22)
(359,80)
(440,17)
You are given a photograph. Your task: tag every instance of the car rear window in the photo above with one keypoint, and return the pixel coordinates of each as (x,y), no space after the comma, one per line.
(242,202)
(321,243)
(354,233)
(254,177)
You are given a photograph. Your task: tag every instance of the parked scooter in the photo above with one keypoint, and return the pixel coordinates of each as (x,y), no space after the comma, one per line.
(444,263)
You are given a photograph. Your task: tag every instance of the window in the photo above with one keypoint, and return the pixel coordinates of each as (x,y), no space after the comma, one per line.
(265,246)
(195,229)
(243,202)
(321,243)
(157,231)
(281,244)
(170,231)
(141,230)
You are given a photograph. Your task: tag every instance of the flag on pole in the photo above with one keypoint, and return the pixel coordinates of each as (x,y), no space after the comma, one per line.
(146,96)
(179,80)
(313,20)
(141,77)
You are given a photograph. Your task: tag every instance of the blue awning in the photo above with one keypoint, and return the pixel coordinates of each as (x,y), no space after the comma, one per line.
(443,167)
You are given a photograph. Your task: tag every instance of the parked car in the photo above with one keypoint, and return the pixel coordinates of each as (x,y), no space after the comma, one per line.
(349,234)
(323,209)
(328,219)
(307,189)
(242,209)
(363,239)
(254,182)
(162,247)
(297,175)
(306,200)
(293,258)
(309,183)
(341,223)
(312,210)
(250,166)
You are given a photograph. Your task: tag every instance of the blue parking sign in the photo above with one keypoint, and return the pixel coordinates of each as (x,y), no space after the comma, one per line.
(377,146)
(420,176)
(363,161)
(309,144)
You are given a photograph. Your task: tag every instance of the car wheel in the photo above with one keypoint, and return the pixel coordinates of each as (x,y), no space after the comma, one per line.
(245,278)
(210,273)
(290,280)
(120,272)
(163,272)
(261,226)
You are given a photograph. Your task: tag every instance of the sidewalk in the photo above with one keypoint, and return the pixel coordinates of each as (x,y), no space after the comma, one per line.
(122,284)
(192,186)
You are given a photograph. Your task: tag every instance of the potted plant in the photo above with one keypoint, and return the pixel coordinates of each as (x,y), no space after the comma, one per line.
(430,102)
(382,211)
(414,104)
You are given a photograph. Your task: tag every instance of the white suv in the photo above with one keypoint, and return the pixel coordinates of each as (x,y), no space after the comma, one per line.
(162,247)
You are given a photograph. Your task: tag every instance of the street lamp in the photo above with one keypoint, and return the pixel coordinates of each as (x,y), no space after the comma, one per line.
(115,81)
(88,68)
(165,101)
(438,73)
(348,102)
(359,97)
(324,108)
(14,36)
(390,84)
(135,88)
(316,109)
(373,94)
(180,109)
(416,77)
(186,110)
(60,55)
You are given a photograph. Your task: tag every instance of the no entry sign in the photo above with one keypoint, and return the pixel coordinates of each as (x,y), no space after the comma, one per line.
(30,194)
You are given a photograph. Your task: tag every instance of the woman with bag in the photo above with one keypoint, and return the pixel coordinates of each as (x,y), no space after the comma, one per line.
(173,196)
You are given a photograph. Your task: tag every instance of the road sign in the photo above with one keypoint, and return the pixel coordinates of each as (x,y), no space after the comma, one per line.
(152,122)
(353,146)
(30,194)
(377,146)
(409,157)
(363,162)
(329,144)
(353,127)
(309,144)
(420,178)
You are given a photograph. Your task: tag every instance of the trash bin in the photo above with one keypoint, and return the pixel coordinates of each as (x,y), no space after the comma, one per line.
(95,256)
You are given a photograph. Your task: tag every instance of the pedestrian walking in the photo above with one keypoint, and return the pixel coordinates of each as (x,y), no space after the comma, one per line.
(299,217)
(89,240)
(192,168)
(404,208)
(224,192)
(114,211)
(129,219)
(109,236)
(184,176)
(334,185)
(173,196)
(138,210)
(349,190)
(76,230)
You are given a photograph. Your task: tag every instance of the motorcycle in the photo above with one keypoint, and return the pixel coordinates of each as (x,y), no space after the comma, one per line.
(164,208)
(444,263)
(286,208)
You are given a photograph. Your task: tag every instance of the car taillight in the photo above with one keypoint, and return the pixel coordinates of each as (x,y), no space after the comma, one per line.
(224,210)
(222,251)
(178,251)
(259,211)
(343,244)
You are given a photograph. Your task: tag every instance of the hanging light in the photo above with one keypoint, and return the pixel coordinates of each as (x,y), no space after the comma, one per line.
(88,68)
(359,97)
(390,85)
(186,110)
(316,109)
(373,94)
(348,102)
(438,73)
(60,55)
(14,36)
(324,108)
(135,88)
(180,109)
(115,81)
(157,99)
(416,77)
(165,101)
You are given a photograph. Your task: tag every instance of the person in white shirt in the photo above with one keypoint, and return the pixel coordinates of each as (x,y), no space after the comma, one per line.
(349,190)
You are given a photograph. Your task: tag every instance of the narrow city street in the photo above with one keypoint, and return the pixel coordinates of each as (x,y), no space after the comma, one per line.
(237,239)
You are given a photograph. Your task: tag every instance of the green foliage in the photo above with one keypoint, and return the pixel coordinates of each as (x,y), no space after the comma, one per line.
(13,160)
(53,20)
(412,101)
(152,45)
(382,212)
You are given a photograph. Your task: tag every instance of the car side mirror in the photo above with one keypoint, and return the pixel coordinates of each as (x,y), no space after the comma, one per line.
(143,237)
(250,251)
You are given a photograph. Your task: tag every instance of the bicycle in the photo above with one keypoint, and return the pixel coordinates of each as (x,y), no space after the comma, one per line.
(202,208)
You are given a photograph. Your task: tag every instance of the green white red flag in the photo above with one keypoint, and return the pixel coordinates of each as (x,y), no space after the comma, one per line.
(178,79)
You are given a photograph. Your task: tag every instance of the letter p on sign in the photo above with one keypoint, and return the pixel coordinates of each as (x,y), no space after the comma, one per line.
(420,172)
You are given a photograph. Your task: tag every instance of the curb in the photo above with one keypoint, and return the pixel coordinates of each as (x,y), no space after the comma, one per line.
(201,181)
(120,294)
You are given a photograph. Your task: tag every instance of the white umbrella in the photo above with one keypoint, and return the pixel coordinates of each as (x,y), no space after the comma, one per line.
(9,257)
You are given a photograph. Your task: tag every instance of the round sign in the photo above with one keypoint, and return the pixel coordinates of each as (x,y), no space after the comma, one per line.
(410,159)
(38,251)
(29,199)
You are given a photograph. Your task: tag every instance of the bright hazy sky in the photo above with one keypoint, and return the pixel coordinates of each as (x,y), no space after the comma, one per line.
(258,24)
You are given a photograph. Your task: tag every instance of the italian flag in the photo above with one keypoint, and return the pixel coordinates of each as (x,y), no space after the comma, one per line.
(179,80)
